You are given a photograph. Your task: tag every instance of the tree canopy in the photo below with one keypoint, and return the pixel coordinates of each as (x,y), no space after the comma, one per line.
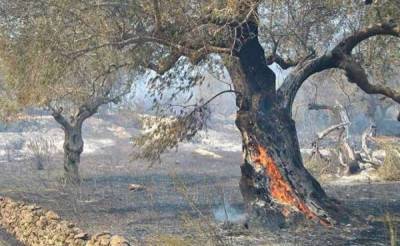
(67,51)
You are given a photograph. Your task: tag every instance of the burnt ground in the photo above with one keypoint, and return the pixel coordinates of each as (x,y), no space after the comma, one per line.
(185,200)
(6,239)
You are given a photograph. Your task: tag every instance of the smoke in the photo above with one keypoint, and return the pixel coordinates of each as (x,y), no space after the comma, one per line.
(227,213)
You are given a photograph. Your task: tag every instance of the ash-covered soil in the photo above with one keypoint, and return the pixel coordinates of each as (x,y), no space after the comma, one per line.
(187,197)
(6,239)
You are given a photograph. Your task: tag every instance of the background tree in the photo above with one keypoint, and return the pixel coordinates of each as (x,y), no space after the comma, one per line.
(306,37)
(39,42)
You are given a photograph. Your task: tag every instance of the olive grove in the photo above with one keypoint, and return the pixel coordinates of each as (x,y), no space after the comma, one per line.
(53,50)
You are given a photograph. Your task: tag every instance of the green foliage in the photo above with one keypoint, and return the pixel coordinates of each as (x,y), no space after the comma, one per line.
(65,52)
(166,133)
(8,109)
(391,226)
(8,105)
(59,52)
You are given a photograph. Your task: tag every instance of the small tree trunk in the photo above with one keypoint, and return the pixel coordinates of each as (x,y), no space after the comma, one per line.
(73,147)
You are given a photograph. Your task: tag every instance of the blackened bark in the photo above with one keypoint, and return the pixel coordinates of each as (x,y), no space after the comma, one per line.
(274,182)
(274,179)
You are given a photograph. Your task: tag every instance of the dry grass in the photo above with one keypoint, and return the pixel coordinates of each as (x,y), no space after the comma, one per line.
(390,170)
(40,150)
(197,227)
(203,229)
(169,240)
(391,226)
(318,166)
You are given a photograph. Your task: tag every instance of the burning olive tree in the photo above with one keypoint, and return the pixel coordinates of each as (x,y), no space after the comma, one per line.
(304,37)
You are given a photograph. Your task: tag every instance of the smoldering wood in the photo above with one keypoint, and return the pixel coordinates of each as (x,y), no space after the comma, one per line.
(271,149)
(136,187)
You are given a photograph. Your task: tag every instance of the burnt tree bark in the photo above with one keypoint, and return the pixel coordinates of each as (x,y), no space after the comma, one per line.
(274,182)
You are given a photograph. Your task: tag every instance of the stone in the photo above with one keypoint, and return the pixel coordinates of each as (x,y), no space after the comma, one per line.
(41,223)
(101,234)
(82,235)
(33,207)
(35,226)
(26,217)
(118,241)
(105,240)
(136,187)
(52,216)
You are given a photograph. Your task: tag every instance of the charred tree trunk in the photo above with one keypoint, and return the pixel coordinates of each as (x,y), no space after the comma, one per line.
(274,182)
(73,148)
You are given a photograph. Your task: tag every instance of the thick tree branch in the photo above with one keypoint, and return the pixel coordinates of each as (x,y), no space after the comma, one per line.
(292,83)
(330,129)
(193,51)
(315,106)
(206,102)
(275,58)
(91,107)
(390,28)
(165,64)
(357,75)
(57,115)
(284,64)
(339,111)
(340,57)
(157,15)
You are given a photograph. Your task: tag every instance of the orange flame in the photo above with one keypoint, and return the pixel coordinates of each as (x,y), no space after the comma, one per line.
(280,189)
